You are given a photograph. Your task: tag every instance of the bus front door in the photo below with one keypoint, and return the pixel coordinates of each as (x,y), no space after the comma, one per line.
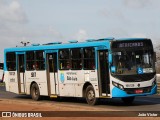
(21,74)
(103,70)
(52,81)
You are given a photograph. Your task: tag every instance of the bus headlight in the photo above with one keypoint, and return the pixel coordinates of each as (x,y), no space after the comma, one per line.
(115,84)
(121,87)
(118,85)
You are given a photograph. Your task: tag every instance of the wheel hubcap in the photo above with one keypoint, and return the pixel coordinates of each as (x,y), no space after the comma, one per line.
(35,92)
(90,95)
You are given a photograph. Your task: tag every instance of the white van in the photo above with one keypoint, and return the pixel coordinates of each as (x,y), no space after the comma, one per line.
(1,74)
(1,71)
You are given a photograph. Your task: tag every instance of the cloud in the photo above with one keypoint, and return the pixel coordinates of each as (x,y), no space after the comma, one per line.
(12,19)
(115,13)
(139,35)
(110,13)
(137,3)
(55,32)
(12,22)
(12,12)
(81,35)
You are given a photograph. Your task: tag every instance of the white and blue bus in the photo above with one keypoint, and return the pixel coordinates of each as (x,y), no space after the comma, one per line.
(102,68)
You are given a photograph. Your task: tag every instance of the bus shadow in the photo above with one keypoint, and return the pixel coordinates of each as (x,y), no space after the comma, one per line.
(27,97)
(139,101)
(112,102)
(72,100)
(48,99)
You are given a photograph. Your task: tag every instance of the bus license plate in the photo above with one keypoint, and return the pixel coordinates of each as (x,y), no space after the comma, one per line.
(138,91)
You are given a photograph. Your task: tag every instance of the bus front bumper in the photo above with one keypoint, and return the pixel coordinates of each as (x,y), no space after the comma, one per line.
(117,93)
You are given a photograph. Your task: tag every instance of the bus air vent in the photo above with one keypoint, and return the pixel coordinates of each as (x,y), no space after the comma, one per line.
(36,44)
(90,40)
(109,38)
(54,43)
(72,41)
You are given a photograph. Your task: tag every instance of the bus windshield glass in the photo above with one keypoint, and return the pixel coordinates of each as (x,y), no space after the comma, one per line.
(132,57)
(133,62)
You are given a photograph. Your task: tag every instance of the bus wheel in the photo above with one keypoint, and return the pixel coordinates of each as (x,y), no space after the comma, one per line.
(90,95)
(128,100)
(35,92)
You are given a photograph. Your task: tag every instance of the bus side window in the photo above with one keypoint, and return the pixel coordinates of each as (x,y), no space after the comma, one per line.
(64,61)
(76,59)
(11,61)
(1,65)
(89,58)
(30,60)
(40,61)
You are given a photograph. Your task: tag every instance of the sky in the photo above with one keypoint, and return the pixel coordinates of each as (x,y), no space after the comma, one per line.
(45,21)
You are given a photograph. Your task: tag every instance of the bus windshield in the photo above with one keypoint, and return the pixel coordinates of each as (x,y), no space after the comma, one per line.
(133,62)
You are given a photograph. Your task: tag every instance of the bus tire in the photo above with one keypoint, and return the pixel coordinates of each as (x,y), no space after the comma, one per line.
(90,95)
(128,100)
(35,93)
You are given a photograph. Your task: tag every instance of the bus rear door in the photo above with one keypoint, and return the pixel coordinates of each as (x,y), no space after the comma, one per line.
(21,73)
(52,79)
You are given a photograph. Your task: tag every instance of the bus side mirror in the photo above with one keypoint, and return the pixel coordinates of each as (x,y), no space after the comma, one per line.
(110,58)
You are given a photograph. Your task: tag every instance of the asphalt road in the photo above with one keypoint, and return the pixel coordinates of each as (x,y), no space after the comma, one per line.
(146,103)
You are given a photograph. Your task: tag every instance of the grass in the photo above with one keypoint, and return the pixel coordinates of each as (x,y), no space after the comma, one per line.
(158,89)
(2,84)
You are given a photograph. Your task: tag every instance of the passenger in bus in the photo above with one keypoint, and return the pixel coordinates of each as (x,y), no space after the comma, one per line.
(68,66)
(34,67)
(37,66)
(93,65)
(121,65)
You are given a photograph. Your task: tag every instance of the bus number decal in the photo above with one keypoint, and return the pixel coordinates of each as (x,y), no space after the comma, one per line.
(33,74)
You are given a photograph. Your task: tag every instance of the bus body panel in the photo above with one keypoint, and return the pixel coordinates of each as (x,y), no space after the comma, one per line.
(11,82)
(117,92)
(71,82)
(38,77)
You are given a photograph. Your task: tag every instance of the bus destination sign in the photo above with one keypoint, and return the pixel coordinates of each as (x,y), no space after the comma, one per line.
(130,44)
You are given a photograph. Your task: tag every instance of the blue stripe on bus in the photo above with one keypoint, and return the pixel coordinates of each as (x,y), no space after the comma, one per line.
(54,48)
(60,46)
(116,92)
